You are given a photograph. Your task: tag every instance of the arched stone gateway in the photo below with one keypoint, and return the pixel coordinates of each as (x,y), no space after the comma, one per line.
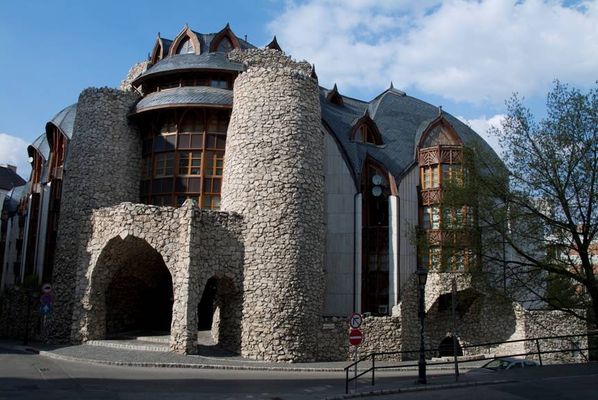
(145,268)
(131,289)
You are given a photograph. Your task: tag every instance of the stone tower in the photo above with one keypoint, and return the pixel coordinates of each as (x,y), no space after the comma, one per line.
(273,176)
(102,169)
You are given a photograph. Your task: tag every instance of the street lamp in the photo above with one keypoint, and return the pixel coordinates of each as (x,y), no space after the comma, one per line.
(422,277)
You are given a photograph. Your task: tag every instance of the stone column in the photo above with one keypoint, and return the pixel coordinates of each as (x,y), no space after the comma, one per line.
(102,169)
(273,176)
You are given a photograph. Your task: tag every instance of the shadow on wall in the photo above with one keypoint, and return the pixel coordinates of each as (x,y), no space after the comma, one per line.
(479,318)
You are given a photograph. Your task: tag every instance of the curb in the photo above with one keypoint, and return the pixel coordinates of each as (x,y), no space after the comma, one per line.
(416,389)
(49,354)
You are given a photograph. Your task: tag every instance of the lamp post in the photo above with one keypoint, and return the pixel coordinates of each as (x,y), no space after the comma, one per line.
(422,277)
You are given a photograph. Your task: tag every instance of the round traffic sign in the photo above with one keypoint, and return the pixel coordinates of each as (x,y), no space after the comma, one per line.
(355,337)
(355,320)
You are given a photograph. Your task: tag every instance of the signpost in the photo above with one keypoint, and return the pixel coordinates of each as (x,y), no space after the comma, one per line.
(355,337)
(355,320)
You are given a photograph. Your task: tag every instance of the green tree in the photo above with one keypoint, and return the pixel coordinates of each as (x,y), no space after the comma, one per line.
(537,212)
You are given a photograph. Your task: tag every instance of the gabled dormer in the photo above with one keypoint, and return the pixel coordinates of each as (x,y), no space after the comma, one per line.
(335,97)
(366,131)
(274,45)
(186,42)
(224,41)
(439,132)
(160,49)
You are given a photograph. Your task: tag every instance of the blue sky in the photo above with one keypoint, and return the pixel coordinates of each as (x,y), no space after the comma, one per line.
(466,55)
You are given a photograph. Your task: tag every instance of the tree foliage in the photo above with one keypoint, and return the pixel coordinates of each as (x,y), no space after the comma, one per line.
(537,211)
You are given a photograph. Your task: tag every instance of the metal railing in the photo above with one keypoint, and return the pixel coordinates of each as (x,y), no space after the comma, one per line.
(377,356)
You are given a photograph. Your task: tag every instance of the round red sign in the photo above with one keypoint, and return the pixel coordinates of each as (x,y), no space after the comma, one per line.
(355,337)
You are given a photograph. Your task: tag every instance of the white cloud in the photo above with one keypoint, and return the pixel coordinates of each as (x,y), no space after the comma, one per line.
(13,151)
(481,126)
(465,50)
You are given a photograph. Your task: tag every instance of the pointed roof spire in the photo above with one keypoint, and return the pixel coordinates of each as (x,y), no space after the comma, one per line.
(274,44)
(313,72)
(439,110)
(334,96)
(391,85)
(227,25)
(158,35)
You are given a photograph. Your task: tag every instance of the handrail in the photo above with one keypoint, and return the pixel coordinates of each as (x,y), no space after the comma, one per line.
(372,356)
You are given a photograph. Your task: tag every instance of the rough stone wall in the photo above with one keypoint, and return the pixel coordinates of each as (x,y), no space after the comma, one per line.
(542,323)
(194,244)
(134,72)
(103,169)
(273,177)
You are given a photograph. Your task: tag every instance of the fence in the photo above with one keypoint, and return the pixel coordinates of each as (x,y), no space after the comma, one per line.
(574,349)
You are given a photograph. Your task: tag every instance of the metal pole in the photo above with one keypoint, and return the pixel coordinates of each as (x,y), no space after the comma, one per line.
(454,306)
(355,379)
(422,356)
(539,353)
(373,367)
(27,313)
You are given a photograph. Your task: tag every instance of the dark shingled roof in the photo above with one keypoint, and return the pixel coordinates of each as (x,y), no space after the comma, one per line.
(190,62)
(401,120)
(64,120)
(183,96)
(9,178)
(41,145)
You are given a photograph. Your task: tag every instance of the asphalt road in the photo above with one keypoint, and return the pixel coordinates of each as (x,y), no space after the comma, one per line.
(28,376)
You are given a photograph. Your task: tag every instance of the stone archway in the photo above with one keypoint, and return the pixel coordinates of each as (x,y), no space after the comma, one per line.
(130,290)
(447,348)
(219,311)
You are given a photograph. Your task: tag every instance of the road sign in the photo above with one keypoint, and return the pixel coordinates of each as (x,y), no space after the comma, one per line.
(355,337)
(45,309)
(46,298)
(355,320)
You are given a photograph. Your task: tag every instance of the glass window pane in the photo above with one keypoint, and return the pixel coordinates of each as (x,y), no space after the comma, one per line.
(196,141)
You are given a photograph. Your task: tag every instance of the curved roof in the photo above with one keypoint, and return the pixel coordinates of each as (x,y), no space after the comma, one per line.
(190,62)
(185,96)
(13,198)
(401,120)
(40,145)
(64,120)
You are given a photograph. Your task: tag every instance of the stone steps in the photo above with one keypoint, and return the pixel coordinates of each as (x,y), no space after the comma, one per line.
(140,345)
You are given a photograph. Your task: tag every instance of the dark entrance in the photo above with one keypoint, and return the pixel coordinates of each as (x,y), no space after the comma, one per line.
(207,305)
(446,349)
(139,296)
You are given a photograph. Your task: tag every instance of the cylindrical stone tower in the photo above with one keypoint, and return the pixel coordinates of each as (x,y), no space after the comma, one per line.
(102,169)
(273,176)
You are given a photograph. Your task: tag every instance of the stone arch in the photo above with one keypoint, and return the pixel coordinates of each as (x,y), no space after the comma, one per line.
(219,311)
(128,275)
(446,347)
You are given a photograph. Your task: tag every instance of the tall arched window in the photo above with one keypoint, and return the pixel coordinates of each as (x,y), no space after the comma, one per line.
(375,239)
(186,47)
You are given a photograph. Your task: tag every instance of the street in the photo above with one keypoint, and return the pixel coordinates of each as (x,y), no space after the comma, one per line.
(29,376)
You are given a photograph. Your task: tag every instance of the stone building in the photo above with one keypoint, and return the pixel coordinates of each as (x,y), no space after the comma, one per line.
(221,188)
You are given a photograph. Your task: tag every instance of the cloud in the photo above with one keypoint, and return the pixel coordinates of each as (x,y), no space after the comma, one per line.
(13,150)
(481,126)
(472,51)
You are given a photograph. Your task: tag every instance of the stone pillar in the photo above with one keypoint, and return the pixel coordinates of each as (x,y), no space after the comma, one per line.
(102,169)
(273,177)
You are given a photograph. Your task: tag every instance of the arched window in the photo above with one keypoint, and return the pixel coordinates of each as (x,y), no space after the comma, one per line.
(186,47)
(225,45)
(375,238)
(366,131)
